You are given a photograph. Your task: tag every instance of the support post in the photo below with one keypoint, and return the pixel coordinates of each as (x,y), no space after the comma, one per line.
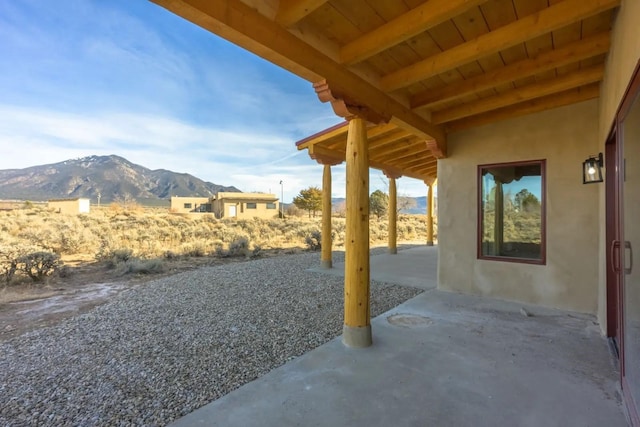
(393,211)
(325,257)
(393,217)
(357,321)
(430,214)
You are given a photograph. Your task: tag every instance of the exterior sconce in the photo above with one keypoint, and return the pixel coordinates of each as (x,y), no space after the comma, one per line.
(592,169)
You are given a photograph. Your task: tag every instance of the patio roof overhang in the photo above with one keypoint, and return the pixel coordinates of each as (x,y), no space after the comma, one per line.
(421,69)
(393,150)
(405,74)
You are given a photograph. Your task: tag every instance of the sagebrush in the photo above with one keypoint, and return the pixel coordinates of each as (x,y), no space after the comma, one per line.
(125,239)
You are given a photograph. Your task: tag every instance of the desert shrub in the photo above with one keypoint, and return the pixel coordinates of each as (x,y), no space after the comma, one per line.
(12,260)
(121,255)
(196,249)
(8,264)
(239,246)
(170,255)
(140,266)
(314,240)
(38,265)
(113,257)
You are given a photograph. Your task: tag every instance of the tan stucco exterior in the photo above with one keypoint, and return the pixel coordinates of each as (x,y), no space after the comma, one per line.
(70,206)
(564,137)
(191,204)
(246,205)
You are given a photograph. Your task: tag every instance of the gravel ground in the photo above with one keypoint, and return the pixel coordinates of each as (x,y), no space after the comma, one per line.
(159,351)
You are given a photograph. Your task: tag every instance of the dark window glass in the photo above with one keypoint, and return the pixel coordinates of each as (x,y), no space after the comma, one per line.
(511,212)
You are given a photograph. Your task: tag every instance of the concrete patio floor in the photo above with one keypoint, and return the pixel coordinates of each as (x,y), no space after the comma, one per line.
(440,359)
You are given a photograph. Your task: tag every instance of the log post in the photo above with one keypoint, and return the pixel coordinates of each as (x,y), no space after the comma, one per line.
(325,257)
(357,321)
(429,213)
(393,211)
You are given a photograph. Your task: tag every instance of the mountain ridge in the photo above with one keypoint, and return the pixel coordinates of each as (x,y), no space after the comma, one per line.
(109,177)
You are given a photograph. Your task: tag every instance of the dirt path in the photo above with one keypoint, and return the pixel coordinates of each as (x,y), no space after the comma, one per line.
(25,308)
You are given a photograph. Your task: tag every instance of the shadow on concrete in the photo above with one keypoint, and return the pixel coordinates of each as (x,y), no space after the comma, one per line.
(439,359)
(414,265)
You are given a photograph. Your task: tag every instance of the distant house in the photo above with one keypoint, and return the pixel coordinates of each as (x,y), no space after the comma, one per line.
(191,204)
(246,205)
(229,205)
(70,206)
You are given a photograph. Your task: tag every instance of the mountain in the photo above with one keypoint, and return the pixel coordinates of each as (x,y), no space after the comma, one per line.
(111,177)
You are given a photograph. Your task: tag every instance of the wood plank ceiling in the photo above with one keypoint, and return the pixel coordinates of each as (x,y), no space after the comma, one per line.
(426,68)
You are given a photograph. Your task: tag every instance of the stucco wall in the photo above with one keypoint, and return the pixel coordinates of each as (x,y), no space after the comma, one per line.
(564,137)
(222,209)
(177,204)
(70,206)
(622,59)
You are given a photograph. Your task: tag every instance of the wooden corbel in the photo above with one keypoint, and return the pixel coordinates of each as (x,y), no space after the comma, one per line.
(429,181)
(345,107)
(392,173)
(325,160)
(438,150)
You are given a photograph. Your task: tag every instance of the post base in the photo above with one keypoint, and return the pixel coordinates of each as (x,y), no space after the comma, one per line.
(326,264)
(357,336)
(429,243)
(393,251)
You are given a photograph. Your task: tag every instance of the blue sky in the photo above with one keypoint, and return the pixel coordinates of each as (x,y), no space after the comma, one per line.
(95,77)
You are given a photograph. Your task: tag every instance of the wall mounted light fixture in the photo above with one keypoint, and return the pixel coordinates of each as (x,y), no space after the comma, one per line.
(592,169)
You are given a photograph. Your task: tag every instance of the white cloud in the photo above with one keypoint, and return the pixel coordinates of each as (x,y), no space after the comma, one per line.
(129,78)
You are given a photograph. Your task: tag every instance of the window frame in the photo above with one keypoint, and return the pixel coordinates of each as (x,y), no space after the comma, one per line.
(543,208)
(187,206)
(271,206)
(251,205)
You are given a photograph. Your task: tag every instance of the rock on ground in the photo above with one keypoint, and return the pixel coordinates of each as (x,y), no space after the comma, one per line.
(159,351)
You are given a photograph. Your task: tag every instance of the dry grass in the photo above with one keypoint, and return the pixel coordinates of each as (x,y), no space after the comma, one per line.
(136,236)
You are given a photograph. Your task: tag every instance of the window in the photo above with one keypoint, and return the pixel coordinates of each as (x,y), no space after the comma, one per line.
(251,206)
(271,205)
(511,212)
(187,205)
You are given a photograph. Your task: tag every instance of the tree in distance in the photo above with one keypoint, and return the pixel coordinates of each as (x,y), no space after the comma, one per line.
(379,203)
(309,199)
(526,201)
(405,203)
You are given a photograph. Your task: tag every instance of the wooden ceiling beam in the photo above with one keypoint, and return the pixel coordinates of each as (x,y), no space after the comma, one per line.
(572,96)
(339,156)
(531,26)
(404,27)
(414,163)
(569,54)
(292,11)
(536,90)
(388,139)
(380,130)
(427,171)
(411,152)
(240,24)
(395,147)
